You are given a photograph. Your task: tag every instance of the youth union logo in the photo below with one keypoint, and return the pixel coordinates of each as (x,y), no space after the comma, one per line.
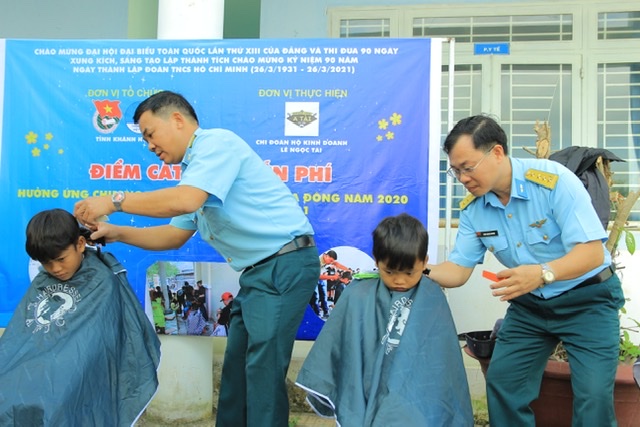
(107,116)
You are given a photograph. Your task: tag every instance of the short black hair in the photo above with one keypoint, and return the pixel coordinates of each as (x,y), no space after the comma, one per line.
(399,241)
(485,133)
(163,103)
(49,233)
(332,254)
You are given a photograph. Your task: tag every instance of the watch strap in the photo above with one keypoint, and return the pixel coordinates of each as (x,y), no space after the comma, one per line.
(117,198)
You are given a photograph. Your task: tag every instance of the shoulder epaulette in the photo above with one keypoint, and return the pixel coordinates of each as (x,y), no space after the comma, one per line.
(466,201)
(546,179)
(366,275)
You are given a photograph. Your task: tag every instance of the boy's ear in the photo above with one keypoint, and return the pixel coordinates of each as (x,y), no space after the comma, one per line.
(81,244)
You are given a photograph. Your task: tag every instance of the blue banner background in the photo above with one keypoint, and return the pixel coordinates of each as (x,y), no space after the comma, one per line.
(370,158)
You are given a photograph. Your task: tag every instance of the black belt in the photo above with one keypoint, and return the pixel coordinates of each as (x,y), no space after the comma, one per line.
(299,242)
(598,278)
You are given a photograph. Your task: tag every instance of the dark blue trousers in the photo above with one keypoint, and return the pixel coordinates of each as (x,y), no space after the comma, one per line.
(586,321)
(265,318)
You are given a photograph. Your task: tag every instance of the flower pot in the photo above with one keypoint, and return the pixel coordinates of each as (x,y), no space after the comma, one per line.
(554,406)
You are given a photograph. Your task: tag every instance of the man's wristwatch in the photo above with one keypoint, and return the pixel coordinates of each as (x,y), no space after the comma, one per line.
(548,276)
(117,198)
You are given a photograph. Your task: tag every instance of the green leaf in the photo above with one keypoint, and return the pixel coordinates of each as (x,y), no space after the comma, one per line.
(630,241)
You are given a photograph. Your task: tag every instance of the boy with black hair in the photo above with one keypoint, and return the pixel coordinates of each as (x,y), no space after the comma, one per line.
(389,354)
(79,349)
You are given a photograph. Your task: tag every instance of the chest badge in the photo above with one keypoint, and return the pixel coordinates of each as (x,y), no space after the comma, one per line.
(538,223)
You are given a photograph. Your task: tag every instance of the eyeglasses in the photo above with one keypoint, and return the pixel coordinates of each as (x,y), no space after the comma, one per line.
(455,173)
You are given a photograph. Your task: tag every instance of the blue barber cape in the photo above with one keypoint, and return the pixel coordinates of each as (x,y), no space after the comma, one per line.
(388,359)
(80,352)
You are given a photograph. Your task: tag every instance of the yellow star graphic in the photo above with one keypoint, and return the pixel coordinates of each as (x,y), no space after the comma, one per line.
(48,136)
(108,109)
(396,119)
(60,151)
(383,124)
(390,135)
(31,137)
(35,152)
(45,146)
(379,138)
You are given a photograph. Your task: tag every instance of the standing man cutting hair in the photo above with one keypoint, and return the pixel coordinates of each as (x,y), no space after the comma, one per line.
(536,217)
(244,210)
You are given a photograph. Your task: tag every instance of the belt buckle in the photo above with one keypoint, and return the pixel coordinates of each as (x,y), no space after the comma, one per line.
(302,241)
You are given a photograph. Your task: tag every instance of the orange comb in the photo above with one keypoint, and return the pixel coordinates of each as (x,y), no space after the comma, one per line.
(491,276)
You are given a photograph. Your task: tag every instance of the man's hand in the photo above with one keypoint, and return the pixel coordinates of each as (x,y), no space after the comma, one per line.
(517,281)
(105,230)
(90,210)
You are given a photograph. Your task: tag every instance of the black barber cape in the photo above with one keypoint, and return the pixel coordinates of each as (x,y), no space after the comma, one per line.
(78,353)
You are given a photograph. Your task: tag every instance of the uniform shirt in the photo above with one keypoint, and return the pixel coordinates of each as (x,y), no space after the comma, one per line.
(250,213)
(538,224)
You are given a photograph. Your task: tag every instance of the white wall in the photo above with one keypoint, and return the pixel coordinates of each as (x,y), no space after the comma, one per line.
(64,19)
(308,19)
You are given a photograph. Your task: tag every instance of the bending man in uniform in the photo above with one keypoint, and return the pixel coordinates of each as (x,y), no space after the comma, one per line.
(244,210)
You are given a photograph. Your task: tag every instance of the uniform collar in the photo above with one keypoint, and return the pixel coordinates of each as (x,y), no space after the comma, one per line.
(187,155)
(518,185)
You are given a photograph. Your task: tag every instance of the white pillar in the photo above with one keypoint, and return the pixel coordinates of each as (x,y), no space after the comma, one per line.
(190,19)
(185,392)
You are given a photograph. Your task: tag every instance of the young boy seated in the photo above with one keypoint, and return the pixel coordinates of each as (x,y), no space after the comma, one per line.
(389,354)
(79,350)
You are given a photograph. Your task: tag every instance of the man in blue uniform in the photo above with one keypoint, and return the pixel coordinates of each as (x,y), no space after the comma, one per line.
(244,210)
(536,217)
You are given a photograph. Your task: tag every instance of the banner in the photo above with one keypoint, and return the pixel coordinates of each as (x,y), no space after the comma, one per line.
(351,126)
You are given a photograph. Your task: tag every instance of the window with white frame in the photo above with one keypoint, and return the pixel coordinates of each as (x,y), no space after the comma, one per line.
(569,64)
(350,28)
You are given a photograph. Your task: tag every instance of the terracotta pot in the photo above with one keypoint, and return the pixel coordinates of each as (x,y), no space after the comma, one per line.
(554,406)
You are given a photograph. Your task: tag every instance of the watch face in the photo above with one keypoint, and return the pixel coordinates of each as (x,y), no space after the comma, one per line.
(548,276)
(118,197)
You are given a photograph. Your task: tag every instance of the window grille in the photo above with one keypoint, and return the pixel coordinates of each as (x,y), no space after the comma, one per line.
(351,28)
(468,97)
(619,123)
(618,25)
(510,28)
